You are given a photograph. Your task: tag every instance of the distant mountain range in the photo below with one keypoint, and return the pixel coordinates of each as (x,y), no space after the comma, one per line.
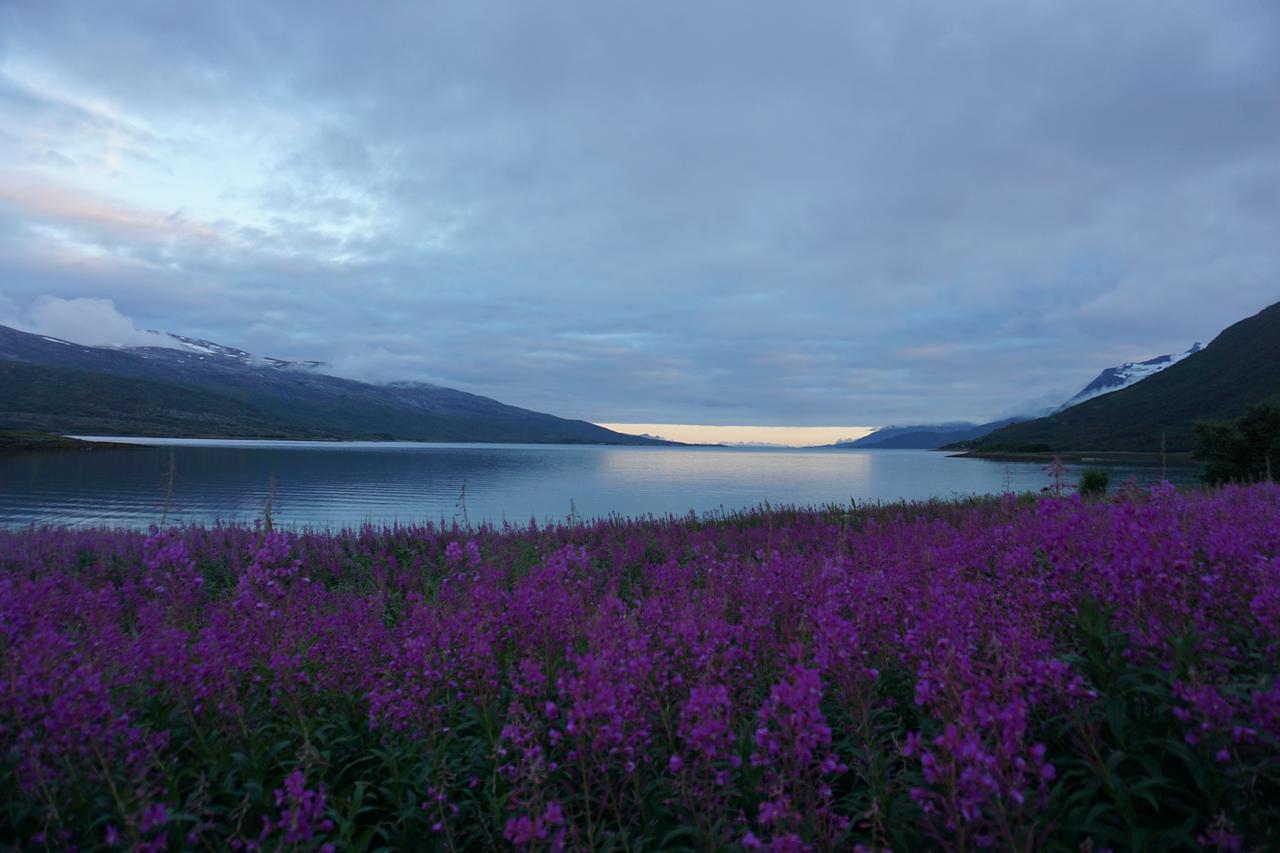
(923,436)
(1240,367)
(195,388)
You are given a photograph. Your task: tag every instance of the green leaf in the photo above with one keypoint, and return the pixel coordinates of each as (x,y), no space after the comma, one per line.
(1114,760)
(675,834)
(1117,710)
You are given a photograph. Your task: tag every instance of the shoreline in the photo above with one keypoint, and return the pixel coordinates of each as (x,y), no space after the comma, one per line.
(1085,457)
(25,440)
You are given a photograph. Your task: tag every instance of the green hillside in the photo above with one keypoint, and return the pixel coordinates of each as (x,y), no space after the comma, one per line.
(64,400)
(1241,366)
(73,400)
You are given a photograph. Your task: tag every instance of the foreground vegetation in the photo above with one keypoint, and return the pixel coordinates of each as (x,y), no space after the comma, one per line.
(1055,673)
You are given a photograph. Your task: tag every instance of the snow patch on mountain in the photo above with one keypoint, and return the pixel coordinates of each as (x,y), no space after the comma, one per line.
(1124,375)
(203,349)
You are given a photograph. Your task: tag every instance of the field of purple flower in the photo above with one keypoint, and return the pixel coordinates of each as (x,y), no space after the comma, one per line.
(1015,673)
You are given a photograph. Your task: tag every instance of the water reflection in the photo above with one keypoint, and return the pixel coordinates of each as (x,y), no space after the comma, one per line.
(326,484)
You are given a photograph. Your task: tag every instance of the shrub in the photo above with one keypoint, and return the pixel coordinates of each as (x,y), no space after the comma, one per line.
(1247,451)
(1094,482)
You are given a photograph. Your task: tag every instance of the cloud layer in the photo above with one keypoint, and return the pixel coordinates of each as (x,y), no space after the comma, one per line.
(660,212)
(84,320)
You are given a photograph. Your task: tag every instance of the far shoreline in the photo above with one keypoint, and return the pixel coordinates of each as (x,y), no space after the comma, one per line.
(28,440)
(1086,457)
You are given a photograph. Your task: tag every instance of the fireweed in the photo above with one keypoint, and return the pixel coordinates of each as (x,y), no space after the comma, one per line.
(1016,673)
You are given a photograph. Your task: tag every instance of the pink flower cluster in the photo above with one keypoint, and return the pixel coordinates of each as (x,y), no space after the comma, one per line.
(781,680)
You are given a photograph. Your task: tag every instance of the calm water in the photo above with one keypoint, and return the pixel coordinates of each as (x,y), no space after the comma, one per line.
(335,485)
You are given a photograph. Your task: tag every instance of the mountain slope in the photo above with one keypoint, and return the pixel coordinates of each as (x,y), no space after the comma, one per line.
(1124,375)
(66,400)
(923,436)
(1239,367)
(933,436)
(236,394)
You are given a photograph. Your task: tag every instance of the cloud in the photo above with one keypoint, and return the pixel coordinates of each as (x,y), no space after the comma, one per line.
(99,218)
(8,311)
(657,213)
(85,321)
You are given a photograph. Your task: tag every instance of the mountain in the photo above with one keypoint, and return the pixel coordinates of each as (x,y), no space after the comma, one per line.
(934,436)
(923,436)
(199,388)
(1124,375)
(1241,366)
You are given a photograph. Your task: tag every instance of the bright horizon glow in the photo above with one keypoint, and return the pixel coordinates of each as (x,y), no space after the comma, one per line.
(781,435)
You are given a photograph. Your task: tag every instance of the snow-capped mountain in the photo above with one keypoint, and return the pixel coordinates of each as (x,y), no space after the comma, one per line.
(1217,383)
(929,436)
(1124,375)
(192,387)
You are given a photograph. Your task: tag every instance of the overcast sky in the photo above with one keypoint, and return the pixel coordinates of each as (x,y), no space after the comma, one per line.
(713,213)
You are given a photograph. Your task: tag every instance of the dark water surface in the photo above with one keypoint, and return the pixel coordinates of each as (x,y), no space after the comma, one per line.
(345,484)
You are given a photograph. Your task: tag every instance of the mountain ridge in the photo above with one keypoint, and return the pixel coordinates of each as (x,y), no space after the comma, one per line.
(936,436)
(1123,375)
(241,395)
(922,436)
(1239,367)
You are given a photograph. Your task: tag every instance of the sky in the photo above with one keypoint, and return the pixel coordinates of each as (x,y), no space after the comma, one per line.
(659,213)
(746,436)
